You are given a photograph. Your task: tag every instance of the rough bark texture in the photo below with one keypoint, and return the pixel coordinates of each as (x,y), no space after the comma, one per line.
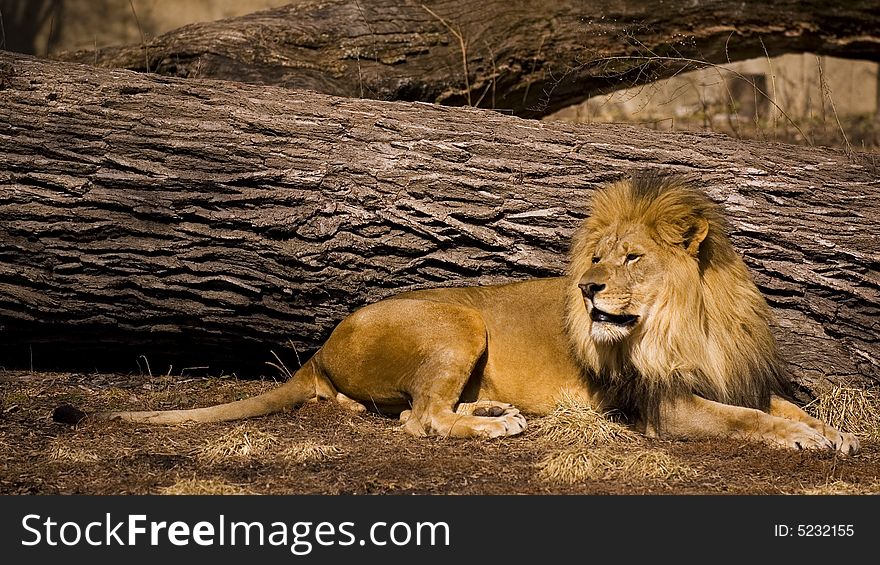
(528,58)
(207,223)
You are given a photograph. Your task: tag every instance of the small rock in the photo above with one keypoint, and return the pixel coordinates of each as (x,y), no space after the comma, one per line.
(67,414)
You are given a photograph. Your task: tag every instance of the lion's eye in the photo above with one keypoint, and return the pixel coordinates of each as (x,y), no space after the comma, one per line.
(633,257)
(596,259)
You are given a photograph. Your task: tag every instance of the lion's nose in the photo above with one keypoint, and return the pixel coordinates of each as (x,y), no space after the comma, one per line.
(590,289)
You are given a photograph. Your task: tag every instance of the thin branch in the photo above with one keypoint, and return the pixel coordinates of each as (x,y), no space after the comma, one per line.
(463,44)
(143,38)
(534,66)
(772,83)
(826,91)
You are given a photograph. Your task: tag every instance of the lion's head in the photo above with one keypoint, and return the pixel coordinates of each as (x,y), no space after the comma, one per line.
(662,304)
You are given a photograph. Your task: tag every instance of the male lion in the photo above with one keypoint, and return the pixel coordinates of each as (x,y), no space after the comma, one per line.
(657,317)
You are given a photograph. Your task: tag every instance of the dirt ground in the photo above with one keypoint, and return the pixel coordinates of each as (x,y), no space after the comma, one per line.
(323,449)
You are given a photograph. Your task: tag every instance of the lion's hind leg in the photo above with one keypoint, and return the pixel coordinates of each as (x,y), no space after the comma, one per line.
(843,442)
(350,403)
(451,355)
(325,390)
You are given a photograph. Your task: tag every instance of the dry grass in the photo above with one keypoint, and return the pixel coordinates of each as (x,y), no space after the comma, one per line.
(201,486)
(245,441)
(308,451)
(595,447)
(576,465)
(73,454)
(842,487)
(168,392)
(853,410)
(575,423)
(38,456)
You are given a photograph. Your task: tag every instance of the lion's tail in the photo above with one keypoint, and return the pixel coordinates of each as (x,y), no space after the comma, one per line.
(306,384)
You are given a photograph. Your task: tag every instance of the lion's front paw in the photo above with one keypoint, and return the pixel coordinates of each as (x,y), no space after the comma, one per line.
(484,408)
(489,418)
(509,423)
(845,443)
(498,420)
(413,426)
(797,435)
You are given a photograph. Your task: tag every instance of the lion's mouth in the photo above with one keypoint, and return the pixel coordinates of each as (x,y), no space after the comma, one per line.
(616,319)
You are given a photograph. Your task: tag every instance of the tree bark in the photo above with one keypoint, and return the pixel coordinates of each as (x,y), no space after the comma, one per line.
(526,58)
(197,222)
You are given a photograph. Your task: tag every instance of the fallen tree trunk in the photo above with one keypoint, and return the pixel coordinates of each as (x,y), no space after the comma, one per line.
(208,223)
(528,58)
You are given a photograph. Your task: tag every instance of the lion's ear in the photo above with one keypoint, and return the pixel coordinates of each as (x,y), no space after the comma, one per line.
(695,234)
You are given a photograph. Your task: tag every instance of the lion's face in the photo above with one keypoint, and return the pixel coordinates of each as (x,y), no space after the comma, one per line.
(636,263)
(619,286)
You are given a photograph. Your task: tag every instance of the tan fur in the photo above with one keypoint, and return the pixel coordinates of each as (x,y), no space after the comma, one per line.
(657,317)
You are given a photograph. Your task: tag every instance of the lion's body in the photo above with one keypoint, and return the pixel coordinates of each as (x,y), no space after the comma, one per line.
(524,359)
(657,317)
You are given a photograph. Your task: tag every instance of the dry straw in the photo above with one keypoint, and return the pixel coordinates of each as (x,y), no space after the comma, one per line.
(240,442)
(73,454)
(201,486)
(247,442)
(576,465)
(843,487)
(574,422)
(591,446)
(855,410)
(308,451)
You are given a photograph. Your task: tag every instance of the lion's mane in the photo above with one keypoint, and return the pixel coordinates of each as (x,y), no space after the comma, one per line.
(708,332)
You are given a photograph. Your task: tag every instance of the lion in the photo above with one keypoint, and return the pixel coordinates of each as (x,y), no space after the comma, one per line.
(656,317)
